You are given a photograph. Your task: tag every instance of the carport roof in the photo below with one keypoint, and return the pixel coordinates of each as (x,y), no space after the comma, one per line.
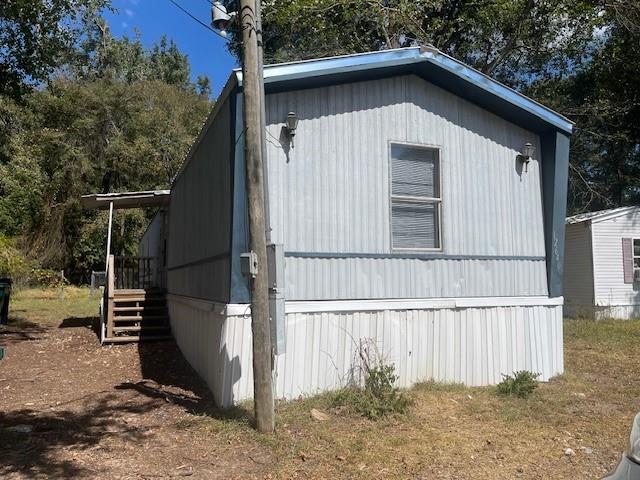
(149,198)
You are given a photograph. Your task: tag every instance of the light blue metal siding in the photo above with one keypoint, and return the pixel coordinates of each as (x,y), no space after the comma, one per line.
(200,217)
(330,193)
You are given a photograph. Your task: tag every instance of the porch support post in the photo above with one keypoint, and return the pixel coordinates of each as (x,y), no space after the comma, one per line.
(106,263)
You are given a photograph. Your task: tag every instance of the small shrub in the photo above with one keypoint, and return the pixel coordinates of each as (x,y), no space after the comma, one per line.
(44,277)
(13,263)
(521,384)
(377,396)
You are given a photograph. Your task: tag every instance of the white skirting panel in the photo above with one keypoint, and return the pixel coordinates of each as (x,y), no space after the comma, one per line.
(469,345)
(620,312)
(199,328)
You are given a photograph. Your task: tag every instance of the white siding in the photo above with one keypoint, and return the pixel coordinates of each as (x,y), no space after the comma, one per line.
(610,288)
(330,193)
(200,217)
(578,270)
(469,345)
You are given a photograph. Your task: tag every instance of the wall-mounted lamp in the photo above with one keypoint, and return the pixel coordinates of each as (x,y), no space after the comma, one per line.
(292,124)
(525,156)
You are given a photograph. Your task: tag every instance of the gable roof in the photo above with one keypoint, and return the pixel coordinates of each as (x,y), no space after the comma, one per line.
(601,215)
(430,64)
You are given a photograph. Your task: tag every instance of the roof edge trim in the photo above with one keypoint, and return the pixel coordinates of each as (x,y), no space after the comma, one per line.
(406,56)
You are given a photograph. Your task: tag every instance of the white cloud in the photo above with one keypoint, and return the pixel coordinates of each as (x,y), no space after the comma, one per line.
(129,12)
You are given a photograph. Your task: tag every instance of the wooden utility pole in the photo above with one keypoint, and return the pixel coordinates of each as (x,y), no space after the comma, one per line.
(251,86)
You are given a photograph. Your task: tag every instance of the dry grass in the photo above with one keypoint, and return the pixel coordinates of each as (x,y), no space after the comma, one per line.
(49,306)
(458,432)
(449,432)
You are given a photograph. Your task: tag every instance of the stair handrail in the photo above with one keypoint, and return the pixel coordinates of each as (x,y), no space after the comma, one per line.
(135,271)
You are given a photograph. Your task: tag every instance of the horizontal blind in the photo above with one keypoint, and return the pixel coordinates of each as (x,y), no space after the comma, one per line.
(414,172)
(414,225)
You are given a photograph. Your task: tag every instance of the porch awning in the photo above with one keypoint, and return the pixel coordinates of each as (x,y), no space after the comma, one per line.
(150,198)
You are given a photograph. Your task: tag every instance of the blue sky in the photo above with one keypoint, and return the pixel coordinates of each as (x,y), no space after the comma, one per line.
(206,51)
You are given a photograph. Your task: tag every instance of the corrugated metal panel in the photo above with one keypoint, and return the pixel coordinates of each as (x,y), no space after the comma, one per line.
(610,288)
(472,346)
(199,331)
(348,278)
(150,246)
(578,270)
(200,217)
(622,312)
(331,192)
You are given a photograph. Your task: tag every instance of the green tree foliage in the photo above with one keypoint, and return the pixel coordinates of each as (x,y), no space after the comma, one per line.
(121,118)
(577,56)
(34,36)
(605,101)
(603,98)
(513,40)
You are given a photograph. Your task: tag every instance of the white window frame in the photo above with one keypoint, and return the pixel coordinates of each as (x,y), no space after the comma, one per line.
(408,198)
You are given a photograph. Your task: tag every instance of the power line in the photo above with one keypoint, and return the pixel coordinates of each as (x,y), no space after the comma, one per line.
(193,17)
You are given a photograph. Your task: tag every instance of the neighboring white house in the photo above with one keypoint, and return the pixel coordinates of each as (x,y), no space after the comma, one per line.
(602,264)
(406,212)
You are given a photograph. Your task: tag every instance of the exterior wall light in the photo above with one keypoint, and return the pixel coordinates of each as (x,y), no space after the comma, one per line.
(528,151)
(292,124)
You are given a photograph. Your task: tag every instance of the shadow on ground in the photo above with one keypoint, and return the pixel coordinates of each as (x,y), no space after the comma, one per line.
(77,322)
(20,329)
(167,375)
(32,440)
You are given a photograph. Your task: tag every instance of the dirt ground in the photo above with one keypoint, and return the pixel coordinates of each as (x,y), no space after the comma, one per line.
(70,408)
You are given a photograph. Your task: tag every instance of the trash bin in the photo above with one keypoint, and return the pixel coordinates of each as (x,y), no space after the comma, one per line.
(5,296)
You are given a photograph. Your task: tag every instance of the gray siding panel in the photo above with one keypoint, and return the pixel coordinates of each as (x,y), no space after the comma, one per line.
(330,193)
(578,269)
(150,245)
(361,278)
(200,217)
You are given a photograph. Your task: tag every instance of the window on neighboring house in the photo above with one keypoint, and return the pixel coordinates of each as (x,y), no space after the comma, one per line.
(636,254)
(415,197)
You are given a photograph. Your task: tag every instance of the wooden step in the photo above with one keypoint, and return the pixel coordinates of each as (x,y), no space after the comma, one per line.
(138,318)
(141,328)
(123,302)
(137,338)
(138,293)
(139,308)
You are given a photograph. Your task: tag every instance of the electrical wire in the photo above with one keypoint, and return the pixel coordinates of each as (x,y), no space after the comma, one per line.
(196,19)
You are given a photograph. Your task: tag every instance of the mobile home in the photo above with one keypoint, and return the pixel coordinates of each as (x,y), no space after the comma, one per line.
(602,264)
(420,206)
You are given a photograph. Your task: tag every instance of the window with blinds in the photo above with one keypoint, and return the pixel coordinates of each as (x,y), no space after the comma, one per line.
(415,197)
